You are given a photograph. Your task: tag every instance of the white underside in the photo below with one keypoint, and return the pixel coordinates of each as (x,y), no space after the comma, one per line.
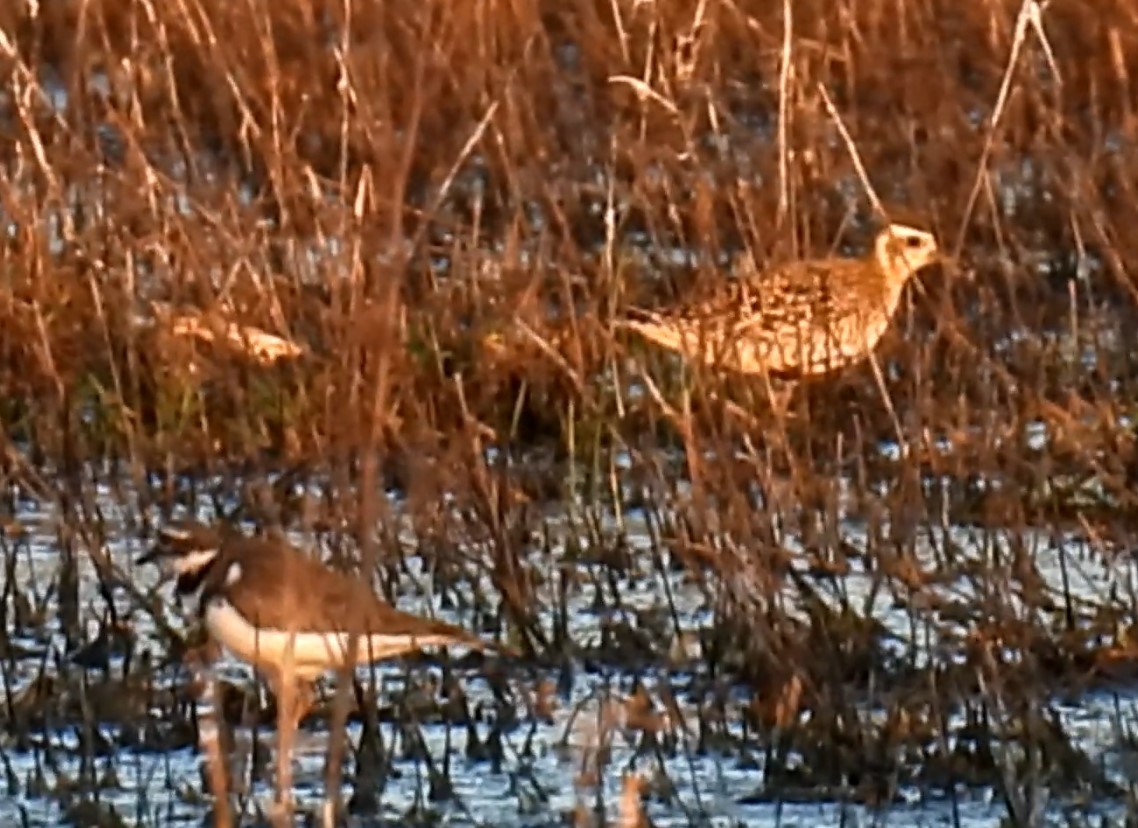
(310,653)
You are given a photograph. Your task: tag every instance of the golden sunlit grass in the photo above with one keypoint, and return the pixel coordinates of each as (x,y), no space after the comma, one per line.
(397,234)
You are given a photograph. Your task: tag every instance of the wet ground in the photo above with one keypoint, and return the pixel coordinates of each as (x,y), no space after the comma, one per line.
(112,745)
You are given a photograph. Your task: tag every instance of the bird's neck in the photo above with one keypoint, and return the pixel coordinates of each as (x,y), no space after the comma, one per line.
(893,265)
(191,582)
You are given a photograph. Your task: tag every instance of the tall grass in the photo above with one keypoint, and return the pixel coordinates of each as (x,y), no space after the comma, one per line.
(444,205)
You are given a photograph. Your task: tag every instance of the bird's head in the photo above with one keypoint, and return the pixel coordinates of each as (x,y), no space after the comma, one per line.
(184,551)
(902,250)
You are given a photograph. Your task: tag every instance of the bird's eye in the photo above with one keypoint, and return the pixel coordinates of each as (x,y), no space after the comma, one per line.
(913,241)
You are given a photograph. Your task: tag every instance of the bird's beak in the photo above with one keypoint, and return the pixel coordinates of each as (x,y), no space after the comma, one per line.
(151,555)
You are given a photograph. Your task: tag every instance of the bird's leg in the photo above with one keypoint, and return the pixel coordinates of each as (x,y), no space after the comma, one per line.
(288,703)
(334,759)
(212,718)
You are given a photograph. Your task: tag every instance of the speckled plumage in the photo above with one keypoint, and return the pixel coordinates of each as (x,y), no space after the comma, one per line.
(802,319)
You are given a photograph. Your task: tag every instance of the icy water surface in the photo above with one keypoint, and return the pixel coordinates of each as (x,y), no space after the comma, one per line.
(540,778)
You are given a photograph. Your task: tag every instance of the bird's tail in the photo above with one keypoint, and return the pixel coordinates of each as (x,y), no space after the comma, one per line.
(654,328)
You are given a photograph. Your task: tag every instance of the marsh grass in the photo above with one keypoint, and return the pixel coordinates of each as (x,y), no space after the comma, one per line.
(445,205)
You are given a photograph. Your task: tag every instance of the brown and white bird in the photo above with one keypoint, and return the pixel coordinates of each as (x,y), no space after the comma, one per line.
(289,615)
(802,319)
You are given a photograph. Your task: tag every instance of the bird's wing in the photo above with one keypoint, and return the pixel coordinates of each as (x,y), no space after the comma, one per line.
(796,294)
(353,607)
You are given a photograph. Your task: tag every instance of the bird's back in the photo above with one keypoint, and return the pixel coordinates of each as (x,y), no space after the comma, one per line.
(802,318)
(281,587)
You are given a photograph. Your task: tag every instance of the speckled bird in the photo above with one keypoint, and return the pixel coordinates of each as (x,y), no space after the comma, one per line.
(805,318)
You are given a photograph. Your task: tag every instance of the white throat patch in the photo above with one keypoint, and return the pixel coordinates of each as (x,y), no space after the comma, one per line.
(190,562)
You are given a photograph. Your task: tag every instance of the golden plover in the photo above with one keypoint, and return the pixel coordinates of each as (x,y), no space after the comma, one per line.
(802,319)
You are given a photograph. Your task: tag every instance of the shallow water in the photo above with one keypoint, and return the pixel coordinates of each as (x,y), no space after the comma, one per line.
(537,784)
